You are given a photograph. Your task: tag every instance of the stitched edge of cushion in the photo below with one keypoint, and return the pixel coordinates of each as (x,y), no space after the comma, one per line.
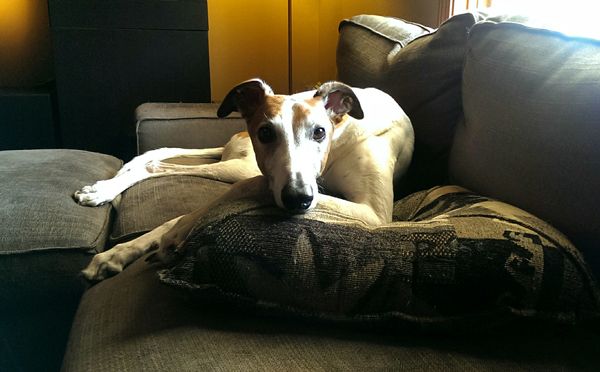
(352,21)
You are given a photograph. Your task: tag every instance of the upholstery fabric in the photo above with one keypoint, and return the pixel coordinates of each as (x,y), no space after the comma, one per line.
(45,240)
(457,260)
(154,201)
(38,211)
(45,236)
(532,140)
(367,43)
(187,125)
(423,75)
(133,323)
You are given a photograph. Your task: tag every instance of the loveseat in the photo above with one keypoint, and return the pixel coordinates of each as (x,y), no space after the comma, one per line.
(495,273)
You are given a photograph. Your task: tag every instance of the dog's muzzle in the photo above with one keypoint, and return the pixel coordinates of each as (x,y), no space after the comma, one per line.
(296,198)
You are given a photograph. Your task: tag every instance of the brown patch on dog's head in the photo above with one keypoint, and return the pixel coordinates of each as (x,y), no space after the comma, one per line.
(245,98)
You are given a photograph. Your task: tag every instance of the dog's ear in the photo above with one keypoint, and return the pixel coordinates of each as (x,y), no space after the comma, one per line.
(340,99)
(245,98)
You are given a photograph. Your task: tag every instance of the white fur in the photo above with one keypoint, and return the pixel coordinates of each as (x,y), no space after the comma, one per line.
(363,157)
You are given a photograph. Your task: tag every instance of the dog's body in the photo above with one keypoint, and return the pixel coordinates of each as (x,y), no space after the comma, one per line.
(355,141)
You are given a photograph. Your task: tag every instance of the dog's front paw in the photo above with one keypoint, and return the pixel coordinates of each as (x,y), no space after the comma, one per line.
(93,196)
(102,266)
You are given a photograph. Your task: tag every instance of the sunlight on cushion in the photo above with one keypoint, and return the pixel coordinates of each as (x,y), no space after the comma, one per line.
(573,17)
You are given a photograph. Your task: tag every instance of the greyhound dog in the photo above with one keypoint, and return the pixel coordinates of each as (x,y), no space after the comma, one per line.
(352,142)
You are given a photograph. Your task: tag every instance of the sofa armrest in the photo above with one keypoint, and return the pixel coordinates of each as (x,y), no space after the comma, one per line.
(186,125)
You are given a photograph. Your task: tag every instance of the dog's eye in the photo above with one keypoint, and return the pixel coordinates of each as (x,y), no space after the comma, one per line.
(266,134)
(319,134)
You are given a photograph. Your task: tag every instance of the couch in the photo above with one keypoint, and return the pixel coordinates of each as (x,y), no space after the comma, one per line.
(495,273)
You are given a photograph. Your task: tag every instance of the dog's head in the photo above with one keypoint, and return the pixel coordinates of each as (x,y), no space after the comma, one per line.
(291,135)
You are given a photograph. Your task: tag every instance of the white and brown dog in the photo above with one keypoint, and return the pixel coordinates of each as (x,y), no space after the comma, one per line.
(356,142)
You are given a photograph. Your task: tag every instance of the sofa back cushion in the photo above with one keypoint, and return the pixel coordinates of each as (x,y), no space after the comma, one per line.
(531,129)
(421,69)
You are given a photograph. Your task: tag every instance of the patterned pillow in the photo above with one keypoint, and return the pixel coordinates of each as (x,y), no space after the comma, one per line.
(450,258)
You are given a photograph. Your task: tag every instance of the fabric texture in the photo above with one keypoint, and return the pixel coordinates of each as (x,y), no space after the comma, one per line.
(187,125)
(532,140)
(132,322)
(45,236)
(154,201)
(45,240)
(422,72)
(36,193)
(455,260)
(367,43)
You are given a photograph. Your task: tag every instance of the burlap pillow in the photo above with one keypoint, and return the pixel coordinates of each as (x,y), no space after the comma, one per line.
(455,259)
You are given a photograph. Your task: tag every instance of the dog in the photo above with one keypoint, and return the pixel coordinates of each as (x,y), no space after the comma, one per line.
(351,142)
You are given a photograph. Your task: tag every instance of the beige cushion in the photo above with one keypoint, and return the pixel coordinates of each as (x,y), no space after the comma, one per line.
(187,125)
(154,201)
(133,322)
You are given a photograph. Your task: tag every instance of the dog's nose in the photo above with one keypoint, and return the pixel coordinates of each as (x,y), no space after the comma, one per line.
(296,199)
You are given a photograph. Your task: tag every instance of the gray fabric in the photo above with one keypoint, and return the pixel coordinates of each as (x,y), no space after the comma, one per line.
(397,30)
(424,77)
(133,323)
(531,132)
(459,261)
(366,45)
(152,202)
(45,238)
(38,211)
(187,125)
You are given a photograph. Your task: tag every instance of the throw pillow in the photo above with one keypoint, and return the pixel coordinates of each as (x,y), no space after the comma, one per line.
(452,258)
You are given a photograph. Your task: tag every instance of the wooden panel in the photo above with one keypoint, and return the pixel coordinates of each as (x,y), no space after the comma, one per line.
(27,119)
(248,38)
(103,75)
(25,48)
(138,14)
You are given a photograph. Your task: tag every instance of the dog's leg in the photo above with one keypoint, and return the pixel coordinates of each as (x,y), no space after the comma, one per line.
(229,171)
(115,259)
(167,237)
(362,212)
(138,169)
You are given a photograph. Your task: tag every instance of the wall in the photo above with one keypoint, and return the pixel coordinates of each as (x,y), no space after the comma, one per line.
(25,49)
(249,38)
(315,33)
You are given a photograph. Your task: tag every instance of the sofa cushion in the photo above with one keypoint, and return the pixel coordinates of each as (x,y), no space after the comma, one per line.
(454,259)
(422,72)
(45,240)
(367,43)
(187,125)
(45,236)
(530,134)
(154,201)
(132,322)
(38,210)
